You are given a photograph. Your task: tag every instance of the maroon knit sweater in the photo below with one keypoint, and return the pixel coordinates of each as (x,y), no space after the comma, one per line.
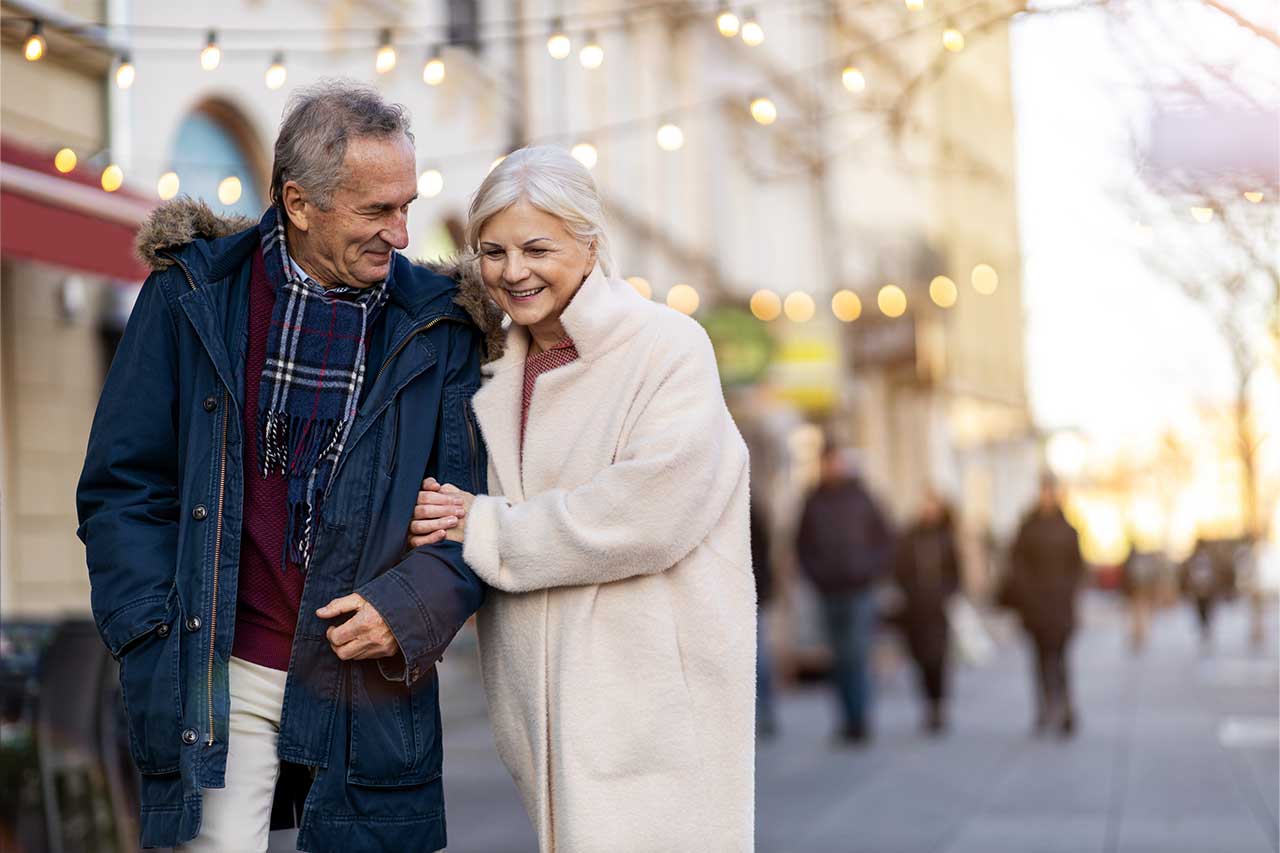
(269,593)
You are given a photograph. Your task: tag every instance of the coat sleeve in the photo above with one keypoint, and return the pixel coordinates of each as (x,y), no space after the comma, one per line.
(669,485)
(427,597)
(127,499)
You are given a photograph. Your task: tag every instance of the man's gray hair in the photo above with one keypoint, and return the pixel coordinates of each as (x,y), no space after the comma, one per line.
(318,122)
(551,180)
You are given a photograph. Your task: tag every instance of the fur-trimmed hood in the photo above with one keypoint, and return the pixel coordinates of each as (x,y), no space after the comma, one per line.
(178,222)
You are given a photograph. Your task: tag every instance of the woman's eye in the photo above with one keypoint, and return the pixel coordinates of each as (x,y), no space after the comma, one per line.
(494,255)
(536,253)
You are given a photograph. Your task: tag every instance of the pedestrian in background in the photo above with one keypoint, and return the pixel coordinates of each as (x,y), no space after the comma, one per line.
(1203,582)
(762,566)
(1141,580)
(845,546)
(927,570)
(1046,571)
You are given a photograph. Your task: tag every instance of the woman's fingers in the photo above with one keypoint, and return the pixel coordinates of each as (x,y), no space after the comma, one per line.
(419,541)
(436,505)
(424,526)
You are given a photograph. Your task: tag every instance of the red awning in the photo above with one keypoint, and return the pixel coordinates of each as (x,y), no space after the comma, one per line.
(66,220)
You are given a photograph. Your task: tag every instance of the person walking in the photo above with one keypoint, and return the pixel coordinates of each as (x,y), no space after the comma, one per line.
(845,546)
(246,486)
(762,567)
(1046,573)
(618,640)
(927,570)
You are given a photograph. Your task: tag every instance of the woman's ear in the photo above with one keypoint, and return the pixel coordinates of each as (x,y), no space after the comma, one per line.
(591,258)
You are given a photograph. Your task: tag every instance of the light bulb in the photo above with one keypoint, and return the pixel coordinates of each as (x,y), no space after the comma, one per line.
(764,111)
(35,48)
(798,307)
(765,305)
(853,79)
(953,39)
(914,5)
(727,23)
(752,32)
(670,137)
(385,61)
(559,45)
(430,183)
(167,186)
(433,71)
(65,160)
(846,305)
(943,291)
(229,190)
(276,72)
(586,154)
(984,279)
(125,72)
(641,286)
(683,298)
(592,56)
(112,178)
(211,56)
(892,301)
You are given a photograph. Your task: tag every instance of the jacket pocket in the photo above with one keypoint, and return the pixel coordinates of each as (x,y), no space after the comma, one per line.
(463,460)
(395,729)
(150,684)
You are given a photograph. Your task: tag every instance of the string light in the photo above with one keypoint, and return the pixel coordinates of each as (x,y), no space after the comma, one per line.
(984,279)
(764,111)
(125,72)
(433,71)
(112,178)
(670,137)
(727,22)
(559,45)
(798,307)
(683,298)
(385,61)
(641,286)
(592,56)
(1202,214)
(853,79)
(36,47)
(430,183)
(65,160)
(943,291)
(167,186)
(892,301)
(1253,196)
(953,39)
(765,305)
(752,32)
(846,305)
(914,5)
(276,72)
(211,56)
(229,190)
(586,154)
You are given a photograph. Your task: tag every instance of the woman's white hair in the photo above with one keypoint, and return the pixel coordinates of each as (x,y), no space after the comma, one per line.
(551,180)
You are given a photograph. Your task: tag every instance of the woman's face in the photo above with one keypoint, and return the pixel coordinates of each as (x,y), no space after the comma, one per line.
(532,266)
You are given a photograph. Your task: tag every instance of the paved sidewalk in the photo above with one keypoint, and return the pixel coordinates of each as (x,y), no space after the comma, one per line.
(1178,752)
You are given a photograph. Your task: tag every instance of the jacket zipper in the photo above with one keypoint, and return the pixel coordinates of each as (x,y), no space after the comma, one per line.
(471,439)
(217,536)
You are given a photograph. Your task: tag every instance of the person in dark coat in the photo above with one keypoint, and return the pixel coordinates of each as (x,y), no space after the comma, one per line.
(844,546)
(1046,573)
(927,570)
(762,567)
(1204,581)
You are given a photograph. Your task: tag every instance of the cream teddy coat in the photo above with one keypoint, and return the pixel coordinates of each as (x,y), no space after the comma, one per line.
(618,643)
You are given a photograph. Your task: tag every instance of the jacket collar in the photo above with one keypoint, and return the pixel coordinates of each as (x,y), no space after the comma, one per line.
(600,317)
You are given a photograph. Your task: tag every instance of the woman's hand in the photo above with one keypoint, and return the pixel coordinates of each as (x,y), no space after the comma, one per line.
(441,513)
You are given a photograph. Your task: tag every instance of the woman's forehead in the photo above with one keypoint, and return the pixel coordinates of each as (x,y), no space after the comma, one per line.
(520,223)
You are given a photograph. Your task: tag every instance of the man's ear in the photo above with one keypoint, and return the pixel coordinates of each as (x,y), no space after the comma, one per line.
(296,206)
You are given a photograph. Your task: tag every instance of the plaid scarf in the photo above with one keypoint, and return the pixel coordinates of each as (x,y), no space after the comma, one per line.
(310,385)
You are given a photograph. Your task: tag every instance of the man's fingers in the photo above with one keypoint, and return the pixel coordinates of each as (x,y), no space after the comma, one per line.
(430,484)
(425,526)
(338,606)
(437,509)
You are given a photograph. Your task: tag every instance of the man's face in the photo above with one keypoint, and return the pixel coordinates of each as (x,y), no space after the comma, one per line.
(351,242)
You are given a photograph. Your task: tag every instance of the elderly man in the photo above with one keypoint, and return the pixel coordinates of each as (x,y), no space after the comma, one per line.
(279,395)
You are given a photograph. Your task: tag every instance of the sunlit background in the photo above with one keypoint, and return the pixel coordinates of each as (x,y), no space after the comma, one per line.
(975,240)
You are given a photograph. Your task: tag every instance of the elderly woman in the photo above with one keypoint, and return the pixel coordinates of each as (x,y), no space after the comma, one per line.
(618,642)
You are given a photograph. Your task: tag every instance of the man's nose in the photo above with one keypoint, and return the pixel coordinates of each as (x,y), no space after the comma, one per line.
(397,233)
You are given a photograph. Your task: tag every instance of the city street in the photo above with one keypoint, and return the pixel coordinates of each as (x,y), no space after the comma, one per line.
(1178,752)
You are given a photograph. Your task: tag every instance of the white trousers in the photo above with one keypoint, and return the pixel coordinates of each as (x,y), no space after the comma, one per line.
(237,818)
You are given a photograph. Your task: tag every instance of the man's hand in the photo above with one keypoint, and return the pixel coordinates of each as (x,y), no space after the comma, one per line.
(440,513)
(362,637)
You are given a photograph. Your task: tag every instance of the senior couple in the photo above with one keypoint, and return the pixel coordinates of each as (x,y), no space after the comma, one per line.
(314,460)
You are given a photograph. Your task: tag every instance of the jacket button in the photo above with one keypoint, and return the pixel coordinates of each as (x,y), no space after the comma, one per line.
(193,623)
(210,403)
(190,736)
(200,513)
(162,629)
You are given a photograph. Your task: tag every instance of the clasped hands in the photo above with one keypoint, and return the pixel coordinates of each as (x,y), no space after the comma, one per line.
(440,514)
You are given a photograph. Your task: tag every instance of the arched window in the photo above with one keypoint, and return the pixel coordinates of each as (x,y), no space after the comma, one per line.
(218,159)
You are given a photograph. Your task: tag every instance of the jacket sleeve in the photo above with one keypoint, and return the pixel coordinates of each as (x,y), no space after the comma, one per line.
(127,499)
(427,597)
(669,485)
